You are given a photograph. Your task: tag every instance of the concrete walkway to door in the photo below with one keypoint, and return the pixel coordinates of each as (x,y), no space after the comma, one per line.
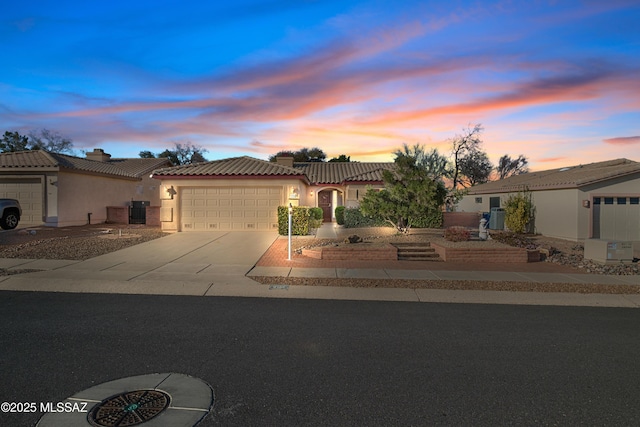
(327,231)
(181,263)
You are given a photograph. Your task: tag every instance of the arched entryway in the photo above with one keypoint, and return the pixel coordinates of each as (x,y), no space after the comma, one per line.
(328,199)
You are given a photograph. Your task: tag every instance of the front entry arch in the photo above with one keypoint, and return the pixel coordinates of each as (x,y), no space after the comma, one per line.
(328,199)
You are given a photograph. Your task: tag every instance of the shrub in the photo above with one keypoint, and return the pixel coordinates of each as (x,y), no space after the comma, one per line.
(457,234)
(315,223)
(299,220)
(353,218)
(340,215)
(519,211)
(316,213)
(430,220)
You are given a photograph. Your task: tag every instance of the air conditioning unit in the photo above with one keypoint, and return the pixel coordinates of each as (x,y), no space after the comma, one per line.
(496,219)
(608,251)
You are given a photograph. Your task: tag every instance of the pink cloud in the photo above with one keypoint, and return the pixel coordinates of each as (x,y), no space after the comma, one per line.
(623,140)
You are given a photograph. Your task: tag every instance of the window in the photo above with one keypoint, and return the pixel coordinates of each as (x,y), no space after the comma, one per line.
(608,200)
(634,200)
(622,200)
(596,200)
(478,199)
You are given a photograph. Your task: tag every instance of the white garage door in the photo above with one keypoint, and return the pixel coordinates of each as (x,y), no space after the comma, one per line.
(29,193)
(229,208)
(616,218)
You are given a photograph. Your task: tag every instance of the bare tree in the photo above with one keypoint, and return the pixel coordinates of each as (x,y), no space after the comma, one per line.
(508,167)
(51,141)
(461,147)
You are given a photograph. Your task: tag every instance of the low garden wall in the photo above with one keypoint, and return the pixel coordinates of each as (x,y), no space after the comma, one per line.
(489,255)
(461,219)
(118,214)
(357,252)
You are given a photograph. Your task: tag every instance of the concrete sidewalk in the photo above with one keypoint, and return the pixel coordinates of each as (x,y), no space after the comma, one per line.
(222,264)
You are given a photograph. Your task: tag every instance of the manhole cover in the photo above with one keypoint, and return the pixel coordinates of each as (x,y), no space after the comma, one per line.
(129,409)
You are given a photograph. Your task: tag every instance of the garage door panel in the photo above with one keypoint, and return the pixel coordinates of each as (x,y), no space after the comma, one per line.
(618,218)
(223,208)
(28,191)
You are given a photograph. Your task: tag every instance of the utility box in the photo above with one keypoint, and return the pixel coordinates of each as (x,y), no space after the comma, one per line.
(496,220)
(607,251)
(138,212)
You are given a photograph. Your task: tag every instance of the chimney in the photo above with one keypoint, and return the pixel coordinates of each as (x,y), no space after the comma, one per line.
(285,161)
(99,155)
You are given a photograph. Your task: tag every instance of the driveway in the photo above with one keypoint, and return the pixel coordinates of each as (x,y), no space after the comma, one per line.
(186,263)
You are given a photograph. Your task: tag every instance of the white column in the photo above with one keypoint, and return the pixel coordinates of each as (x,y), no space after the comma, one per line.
(334,204)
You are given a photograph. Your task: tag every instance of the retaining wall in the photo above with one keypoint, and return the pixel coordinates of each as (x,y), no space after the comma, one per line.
(490,255)
(359,252)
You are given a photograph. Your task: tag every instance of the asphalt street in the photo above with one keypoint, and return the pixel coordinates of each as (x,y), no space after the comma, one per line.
(320,362)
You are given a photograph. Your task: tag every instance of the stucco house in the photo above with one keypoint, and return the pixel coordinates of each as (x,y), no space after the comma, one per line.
(593,201)
(61,190)
(243,193)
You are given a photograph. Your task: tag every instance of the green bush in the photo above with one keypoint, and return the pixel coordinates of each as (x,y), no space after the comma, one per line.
(315,223)
(340,215)
(430,220)
(299,220)
(353,218)
(519,211)
(316,213)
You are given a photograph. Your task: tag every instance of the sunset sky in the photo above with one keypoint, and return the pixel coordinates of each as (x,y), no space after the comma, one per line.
(557,81)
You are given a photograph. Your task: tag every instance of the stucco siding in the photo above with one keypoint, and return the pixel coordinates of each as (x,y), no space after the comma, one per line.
(557,213)
(80,194)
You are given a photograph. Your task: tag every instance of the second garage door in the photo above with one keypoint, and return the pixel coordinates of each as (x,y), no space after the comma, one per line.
(29,193)
(616,218)
(229,208)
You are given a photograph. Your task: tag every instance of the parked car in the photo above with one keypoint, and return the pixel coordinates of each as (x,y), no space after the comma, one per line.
(11,212)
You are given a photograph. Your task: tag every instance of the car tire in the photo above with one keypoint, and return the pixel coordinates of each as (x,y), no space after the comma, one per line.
(9,220)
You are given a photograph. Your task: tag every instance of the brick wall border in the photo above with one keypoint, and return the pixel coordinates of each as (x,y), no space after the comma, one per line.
(489,255)
(357,252)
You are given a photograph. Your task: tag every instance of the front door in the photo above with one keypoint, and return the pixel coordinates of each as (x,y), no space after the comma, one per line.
(324,202)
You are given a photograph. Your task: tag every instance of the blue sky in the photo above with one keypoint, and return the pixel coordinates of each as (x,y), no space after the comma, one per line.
(557,81)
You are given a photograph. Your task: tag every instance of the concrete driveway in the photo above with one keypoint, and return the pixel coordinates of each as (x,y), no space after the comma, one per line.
(181,263)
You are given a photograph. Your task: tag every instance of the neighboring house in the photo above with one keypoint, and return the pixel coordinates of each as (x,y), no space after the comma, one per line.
(243,193)
(597,200)
(60,190)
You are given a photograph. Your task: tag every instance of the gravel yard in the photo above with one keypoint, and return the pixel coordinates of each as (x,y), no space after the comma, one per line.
(73,243)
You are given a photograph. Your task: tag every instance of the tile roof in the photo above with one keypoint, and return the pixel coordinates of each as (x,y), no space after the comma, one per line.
(140,167)
(567,177)
(235,166)
(338,172)
(315,172)
(37,159)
